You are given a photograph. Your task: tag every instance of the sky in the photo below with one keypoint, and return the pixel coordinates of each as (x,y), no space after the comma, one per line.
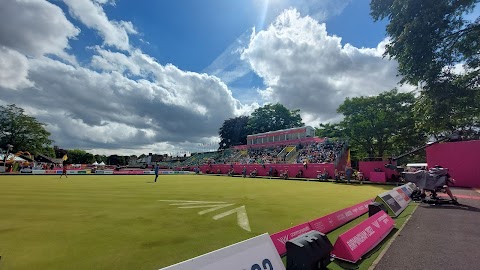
(132,77)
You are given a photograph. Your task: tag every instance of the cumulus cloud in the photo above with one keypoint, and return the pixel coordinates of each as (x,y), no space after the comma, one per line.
(114,33)
(35,27)
(304,67)
(13,69)
(120,100)
(123,98)
(31,28)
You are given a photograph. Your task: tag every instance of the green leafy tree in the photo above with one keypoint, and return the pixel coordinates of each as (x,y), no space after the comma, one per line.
(100,158)
(77,156)
(432,40)
(329,130)
(49,152)
(273,117)
(24,132)
(116,160)
(381,125)
(233,131)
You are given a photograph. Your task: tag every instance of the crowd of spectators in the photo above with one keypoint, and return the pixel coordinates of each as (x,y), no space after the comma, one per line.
(318,152)
(326,151)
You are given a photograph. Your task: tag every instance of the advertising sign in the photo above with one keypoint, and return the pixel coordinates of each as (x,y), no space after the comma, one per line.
(279,239)
(257,253)
(394,200)
(334,220)
(356,242)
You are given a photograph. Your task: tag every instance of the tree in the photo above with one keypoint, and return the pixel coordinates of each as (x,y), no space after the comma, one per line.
(329,130)
(233,131)
(116,160)
(48,151)
(273,117)
(24,132)
(77,156)
(438,49)
(381,124)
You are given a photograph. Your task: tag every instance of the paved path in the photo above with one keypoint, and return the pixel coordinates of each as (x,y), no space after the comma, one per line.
(439,237)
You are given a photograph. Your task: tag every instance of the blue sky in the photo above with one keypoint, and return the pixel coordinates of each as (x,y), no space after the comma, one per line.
(131,77)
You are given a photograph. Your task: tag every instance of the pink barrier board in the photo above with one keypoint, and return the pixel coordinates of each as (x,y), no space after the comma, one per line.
(279,239)
(356,242)
(378,177)
(334,220)
(324,225)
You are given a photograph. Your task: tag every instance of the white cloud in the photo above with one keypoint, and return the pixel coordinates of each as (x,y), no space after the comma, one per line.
(35,27)
(304,67)
(30,28)
(93,16)
(13,69)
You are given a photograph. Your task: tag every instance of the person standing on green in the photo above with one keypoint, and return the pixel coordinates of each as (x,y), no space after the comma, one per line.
(156,172)
(348,173)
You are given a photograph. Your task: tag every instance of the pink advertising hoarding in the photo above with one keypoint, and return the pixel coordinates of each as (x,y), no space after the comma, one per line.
(324,225)
(279,239)
(334,220)
(461,158)
(356,242)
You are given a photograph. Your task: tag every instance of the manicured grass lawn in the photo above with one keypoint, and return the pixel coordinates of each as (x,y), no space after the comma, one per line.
(118,222)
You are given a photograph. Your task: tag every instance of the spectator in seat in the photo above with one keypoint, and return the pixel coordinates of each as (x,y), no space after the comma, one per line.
(231,172)
(325,174)
(299,174)
(285,174)
(254,173)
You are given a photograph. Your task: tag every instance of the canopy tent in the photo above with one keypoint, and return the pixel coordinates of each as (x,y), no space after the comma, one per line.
(12,157)
(102,163)
(95,163)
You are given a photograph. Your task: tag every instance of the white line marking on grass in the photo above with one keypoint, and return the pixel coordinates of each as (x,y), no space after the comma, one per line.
(205,206)
(179,202)
(242,218)
(214,209)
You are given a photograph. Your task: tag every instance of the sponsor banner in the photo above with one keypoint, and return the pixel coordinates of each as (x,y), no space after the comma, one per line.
(81,172)
(252,254)
(107,172)
(51,171)
(99,172)
(26,170)
(402,198)
(150,172)
(279,239)
(395,200)
(71,171)
(356,242)
(334,220)
(129,172)
(38,171)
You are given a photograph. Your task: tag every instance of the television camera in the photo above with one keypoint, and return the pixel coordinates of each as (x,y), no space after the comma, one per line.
(434,180)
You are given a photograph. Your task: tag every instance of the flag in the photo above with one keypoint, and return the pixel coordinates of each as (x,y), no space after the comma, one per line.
(349,162)
(65,157)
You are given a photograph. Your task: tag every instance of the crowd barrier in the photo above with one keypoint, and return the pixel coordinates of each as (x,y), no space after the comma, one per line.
(323,224)
(396,200)
(356,242)
(310,171)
